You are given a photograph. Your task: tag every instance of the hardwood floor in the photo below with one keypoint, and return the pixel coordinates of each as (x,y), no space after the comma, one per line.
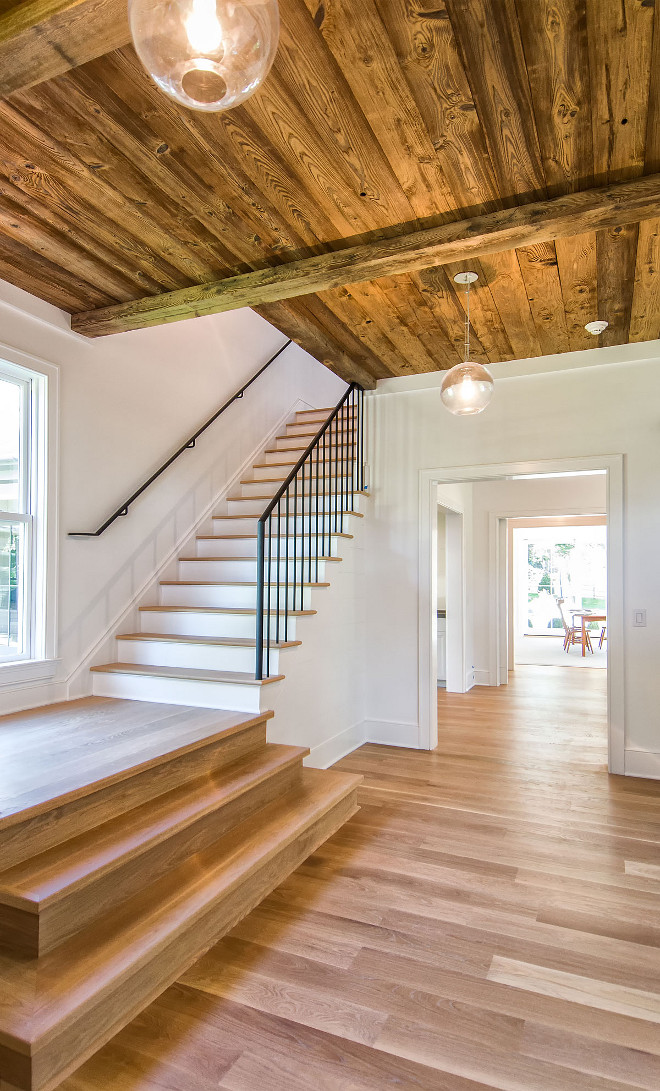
(489,919)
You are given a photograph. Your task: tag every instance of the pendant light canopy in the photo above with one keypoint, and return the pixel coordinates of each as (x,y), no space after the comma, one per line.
(207,54)
(468,387)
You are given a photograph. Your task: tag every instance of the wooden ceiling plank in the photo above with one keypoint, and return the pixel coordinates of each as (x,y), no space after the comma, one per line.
(466,240)
(386,301)
(338,333)
(576,262)
(616,257)
(291,318)
(501,272)
(645,318)
(410,303)
(16,269)
(620,41)
(18,223)
(442,300)
(538,265)
(40,39)
(305,66)
(206,140)
(428,54)
(620,49)
(59,282)
(369,64)
(365,325)
(72,227)
(168,260)
(488,36)
(231,242)
(484,316)
(190,245)
(554,37)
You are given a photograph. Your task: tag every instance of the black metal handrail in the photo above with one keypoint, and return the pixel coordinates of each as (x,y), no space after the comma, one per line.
(333,460)
(187,446)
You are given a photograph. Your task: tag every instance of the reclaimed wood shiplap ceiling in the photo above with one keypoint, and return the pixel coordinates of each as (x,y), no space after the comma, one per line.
(379,118)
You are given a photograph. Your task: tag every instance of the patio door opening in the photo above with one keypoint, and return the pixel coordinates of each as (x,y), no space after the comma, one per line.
(558,606)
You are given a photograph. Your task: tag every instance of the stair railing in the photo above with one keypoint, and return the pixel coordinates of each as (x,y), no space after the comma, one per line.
(317,494)
(187,446)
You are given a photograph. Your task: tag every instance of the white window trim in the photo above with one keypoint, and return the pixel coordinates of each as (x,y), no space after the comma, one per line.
(45,470)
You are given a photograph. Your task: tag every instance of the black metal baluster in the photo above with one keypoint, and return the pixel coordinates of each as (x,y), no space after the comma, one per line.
(286,572)
(295,539)
(353,412)
(279,550)
(324,487)
(270,539)
(336,475)
(316,501)
(259,672)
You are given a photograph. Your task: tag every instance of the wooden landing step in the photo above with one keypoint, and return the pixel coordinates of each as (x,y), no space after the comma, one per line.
(147,864)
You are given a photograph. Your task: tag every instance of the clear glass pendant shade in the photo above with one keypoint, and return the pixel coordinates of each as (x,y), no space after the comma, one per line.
(207,54)
(467,389)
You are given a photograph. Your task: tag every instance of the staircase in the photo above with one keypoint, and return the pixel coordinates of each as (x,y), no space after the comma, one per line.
(198,645)
(113,884)
(139,825)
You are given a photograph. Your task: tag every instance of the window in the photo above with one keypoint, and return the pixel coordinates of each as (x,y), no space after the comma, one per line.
(22,515)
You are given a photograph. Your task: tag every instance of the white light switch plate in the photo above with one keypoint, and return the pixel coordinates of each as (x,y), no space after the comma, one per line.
(639,618)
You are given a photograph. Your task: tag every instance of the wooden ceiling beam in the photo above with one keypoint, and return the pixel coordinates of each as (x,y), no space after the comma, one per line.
(461,240)
(41,39)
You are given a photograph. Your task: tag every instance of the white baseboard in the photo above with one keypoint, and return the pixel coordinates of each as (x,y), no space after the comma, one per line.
(330,751)
(391,733)
(480,678)
(19,697)
(642,763)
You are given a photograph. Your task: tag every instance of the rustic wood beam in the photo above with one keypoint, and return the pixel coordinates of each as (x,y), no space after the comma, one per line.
(461,240)
(41,39)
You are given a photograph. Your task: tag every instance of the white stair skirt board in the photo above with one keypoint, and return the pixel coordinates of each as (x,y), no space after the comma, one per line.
(197,644)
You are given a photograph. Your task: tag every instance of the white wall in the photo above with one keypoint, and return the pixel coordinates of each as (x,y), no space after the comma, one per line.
(595,403)
(441,589)
(550,496)
(126,402)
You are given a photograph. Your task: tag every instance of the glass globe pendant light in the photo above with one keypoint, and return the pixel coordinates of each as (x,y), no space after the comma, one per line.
(468,387)
(207,54)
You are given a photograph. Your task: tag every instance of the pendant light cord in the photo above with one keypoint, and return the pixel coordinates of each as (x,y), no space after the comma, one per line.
(467,324)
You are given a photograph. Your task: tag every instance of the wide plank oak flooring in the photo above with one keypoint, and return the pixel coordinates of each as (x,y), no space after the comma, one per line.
(489,919)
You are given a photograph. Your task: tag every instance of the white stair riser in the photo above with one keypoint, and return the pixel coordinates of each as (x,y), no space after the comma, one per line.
(222,525)
(201,623)
(246,571)
(278,473)
(229,596)
(343,484)
(338,426)
(240,547)
(282,456)
(165,653)
(248,507)
(181,691)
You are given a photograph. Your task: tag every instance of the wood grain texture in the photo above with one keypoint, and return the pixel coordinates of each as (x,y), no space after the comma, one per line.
(414,949)
(379,117)
(458,241)
(44,38)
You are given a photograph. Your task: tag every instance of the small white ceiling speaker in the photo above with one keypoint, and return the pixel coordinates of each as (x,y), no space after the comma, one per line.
(596,327)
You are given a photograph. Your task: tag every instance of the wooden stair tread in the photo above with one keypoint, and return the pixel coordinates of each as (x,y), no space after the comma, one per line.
(219,641)
(40,999)
(253,537)
(254,559)
(52,755)
(243,610)
(226,583)
(192,674)
(57,873)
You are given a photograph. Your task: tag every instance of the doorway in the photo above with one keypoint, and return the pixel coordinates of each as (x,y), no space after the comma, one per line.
(492,622)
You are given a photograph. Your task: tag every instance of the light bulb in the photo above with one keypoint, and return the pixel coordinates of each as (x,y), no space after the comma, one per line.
(207,54)
(467,389)
(203,27)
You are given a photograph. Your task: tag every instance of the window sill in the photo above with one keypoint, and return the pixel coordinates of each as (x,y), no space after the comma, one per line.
(29,670)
